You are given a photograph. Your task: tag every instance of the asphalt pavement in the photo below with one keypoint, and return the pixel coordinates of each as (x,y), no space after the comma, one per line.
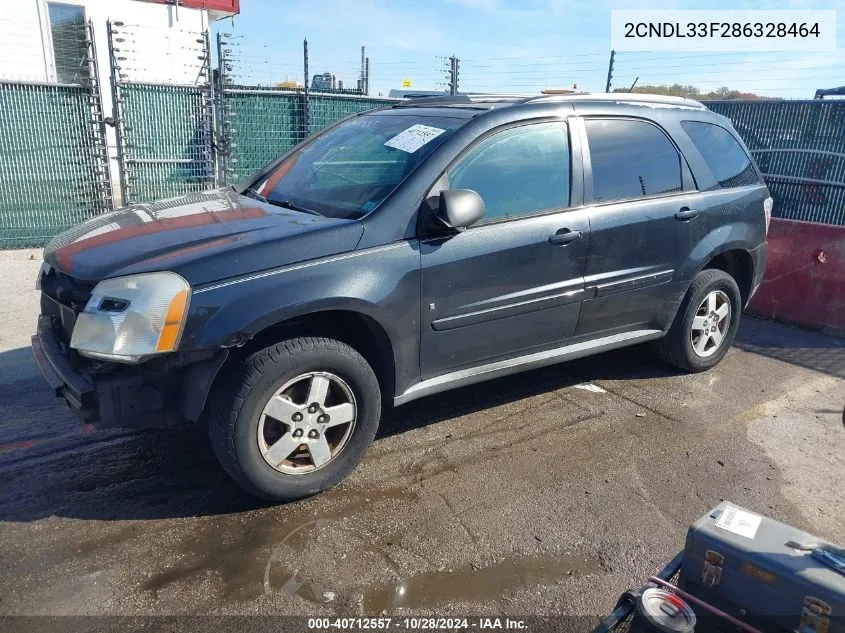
(546,493)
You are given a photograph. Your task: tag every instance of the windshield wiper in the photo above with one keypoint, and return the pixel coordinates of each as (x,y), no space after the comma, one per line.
(285,204)
(253,193)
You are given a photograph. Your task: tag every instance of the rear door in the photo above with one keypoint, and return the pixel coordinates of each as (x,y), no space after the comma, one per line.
(643,221)
(512,283)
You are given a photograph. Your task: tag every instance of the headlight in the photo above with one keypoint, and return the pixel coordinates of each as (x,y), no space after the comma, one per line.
(129,318)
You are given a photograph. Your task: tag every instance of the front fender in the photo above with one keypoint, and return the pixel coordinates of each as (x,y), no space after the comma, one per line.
(382,283)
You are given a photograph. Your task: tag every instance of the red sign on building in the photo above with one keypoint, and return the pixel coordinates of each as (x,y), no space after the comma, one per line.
(223,8)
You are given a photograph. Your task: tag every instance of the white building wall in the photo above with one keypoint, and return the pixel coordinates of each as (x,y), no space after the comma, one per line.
(163,47)
(22,53)
(160,44)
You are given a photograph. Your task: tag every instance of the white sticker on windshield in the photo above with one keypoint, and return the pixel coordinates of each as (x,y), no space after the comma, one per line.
(739,522)
(414,137)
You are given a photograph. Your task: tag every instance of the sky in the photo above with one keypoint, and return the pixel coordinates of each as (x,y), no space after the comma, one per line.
(505,46)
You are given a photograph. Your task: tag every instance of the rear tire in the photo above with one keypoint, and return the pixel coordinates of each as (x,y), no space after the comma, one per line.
(296,418)
(706,323)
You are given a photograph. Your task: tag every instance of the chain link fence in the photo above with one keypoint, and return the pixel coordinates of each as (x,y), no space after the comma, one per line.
(208,124)
(53,165)
(258,122)
(258,125)
(166,137)
(800,148)
(323,110)
(164,129)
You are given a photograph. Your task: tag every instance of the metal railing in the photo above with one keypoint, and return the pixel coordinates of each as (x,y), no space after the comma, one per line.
(800,148)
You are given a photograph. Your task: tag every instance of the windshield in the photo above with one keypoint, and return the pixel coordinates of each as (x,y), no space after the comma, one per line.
(347,171)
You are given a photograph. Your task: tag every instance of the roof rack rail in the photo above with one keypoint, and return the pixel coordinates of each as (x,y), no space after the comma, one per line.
(479,100)
(464,99)
(624,97)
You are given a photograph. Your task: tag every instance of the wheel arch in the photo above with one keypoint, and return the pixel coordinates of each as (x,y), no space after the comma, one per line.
(714,251)
(739,264)
(727,248)
(359,330)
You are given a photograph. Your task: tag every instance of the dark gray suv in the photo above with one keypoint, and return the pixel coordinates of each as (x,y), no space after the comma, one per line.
(401,253)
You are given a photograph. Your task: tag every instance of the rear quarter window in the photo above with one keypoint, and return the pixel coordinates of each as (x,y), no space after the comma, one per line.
(631,159)
(726,159)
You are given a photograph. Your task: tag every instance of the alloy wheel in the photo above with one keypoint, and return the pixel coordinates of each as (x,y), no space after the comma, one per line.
(307,423)
(710,324)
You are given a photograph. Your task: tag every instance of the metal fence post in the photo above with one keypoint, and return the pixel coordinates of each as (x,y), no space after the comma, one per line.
(610,71)
(98,124)
(220,142)
(454,65)
(367,76)
(117,114)
(211,103)
(305,105)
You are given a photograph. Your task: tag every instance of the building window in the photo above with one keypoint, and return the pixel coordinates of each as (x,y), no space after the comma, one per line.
(67,26)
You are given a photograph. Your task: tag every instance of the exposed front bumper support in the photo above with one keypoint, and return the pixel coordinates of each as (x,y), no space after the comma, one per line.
(132,397)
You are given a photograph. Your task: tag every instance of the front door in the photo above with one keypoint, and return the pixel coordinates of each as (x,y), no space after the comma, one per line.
(512,283)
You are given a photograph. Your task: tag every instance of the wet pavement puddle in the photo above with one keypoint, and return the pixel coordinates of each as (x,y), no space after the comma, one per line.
(330,563)
(471,584)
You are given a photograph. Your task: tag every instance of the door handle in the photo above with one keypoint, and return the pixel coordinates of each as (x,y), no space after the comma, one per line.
(685,213)
(564,236)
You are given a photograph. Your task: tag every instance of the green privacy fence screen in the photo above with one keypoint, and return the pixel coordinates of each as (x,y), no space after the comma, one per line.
(173,139)
(323,110)
(800,148)
(166,140)
(260,124)
(164,130)
(47,162)
(257,126)
(54,170)
(51,165)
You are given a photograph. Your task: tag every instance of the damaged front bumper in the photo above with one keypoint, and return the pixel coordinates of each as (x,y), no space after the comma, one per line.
(114,395)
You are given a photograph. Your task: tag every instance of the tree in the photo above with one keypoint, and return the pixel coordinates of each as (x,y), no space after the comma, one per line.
(679,90)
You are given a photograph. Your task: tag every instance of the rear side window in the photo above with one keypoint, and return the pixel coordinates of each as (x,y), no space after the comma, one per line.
(631,159)
(518,171)
(724,156)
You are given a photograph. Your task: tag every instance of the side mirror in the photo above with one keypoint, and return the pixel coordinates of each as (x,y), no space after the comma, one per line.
(460,208)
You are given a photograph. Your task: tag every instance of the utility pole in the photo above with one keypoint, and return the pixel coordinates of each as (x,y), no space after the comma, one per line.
(609,71)
(454,64)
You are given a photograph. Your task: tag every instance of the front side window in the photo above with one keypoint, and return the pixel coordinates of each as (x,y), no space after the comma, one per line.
(518,171)
(725,157)
(631,159)
(67,27)
(348,170)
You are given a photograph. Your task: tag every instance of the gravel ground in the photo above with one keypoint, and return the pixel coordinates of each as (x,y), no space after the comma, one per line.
(526,495)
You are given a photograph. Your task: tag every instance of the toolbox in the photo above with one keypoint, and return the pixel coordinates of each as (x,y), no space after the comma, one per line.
(769,575)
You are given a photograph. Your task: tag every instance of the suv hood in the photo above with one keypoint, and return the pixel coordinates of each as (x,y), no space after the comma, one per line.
(204,237)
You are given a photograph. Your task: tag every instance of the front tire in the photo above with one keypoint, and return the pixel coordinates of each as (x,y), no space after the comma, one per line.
(297,418)
(706,323)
